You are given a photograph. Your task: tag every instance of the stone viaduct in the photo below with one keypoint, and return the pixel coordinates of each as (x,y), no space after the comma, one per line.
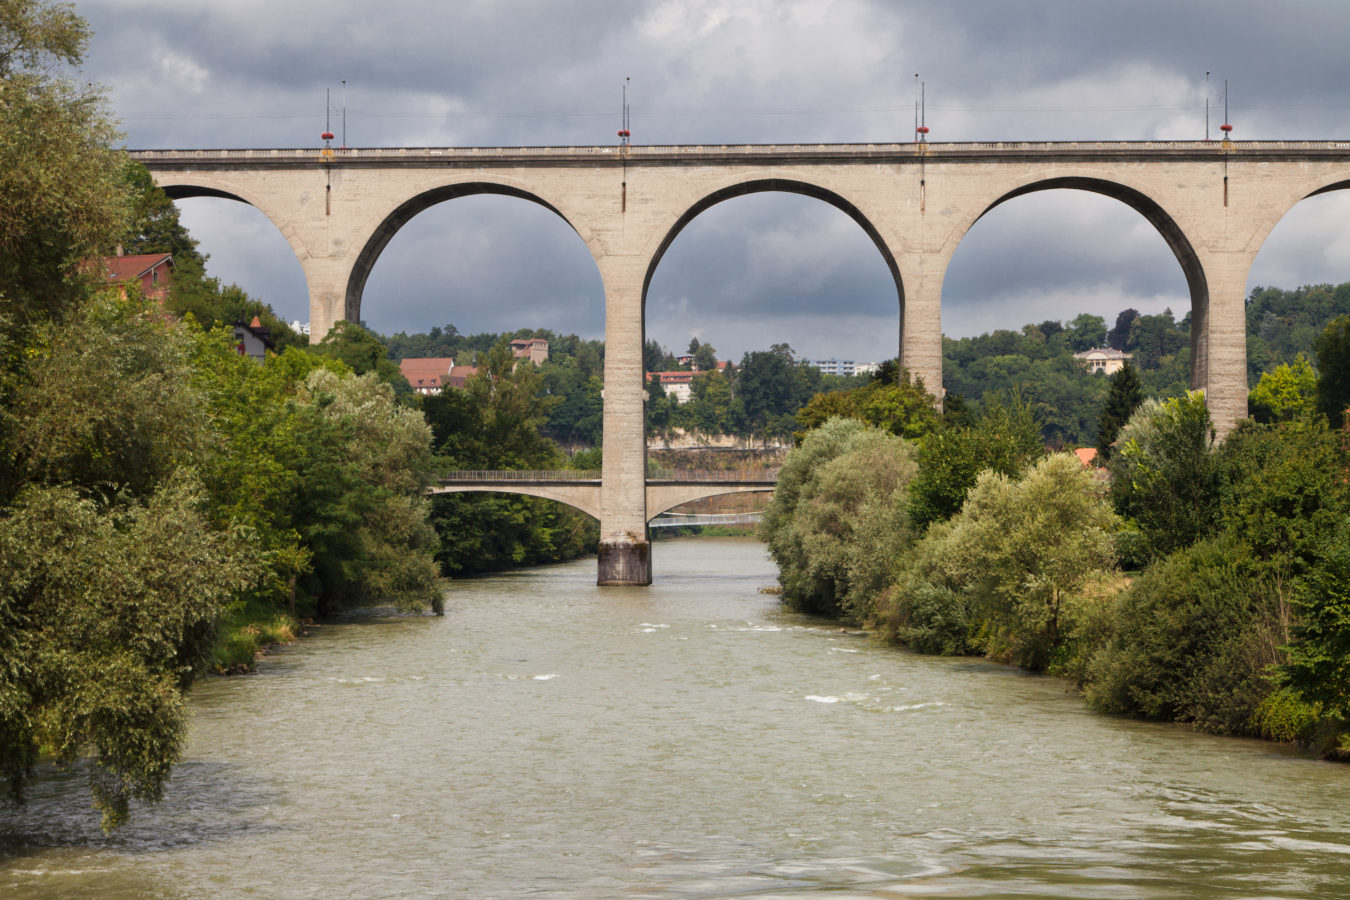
(1213,202)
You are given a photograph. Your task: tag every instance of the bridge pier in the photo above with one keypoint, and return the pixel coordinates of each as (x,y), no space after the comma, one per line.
(624,559)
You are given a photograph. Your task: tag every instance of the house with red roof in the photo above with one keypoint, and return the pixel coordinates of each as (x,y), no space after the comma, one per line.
(431,374)
(150,270)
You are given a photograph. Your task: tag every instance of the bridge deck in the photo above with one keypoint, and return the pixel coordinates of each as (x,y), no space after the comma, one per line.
(526,477)
(684,154)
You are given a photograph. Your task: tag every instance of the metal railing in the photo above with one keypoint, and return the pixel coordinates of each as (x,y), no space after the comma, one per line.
(523,475)
(592,476)
(676,520)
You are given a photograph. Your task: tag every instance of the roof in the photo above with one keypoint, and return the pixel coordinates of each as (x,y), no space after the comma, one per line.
(459,375)
(257,329)
(1086,455)
(131,268)
(1103,353)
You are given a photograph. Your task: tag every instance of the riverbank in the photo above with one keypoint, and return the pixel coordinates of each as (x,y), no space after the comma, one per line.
(247,630)
(1233,625)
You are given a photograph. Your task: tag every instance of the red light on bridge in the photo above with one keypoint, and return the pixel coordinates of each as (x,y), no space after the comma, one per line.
(1225,128)
(327,136)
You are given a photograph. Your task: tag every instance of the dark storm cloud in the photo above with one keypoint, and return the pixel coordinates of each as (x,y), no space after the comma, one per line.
(253,73)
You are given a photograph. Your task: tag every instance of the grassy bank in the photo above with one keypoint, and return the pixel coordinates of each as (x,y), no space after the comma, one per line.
(247,630)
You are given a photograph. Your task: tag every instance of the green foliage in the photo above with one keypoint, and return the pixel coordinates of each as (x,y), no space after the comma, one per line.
(108,611)
(1333,369)
(150,477)
(1003,438)
(1119,334)
(1165,475)
(1195,637)
(360,349)
(772,385)
(1282,324)
(135,422)
(1155,339)
(1282,488)
(1125,397)
(1282,716)
(1006,568)
(1318,667)
(901,407)
(1289,392)
(61,190)
(247,628)
(838,542)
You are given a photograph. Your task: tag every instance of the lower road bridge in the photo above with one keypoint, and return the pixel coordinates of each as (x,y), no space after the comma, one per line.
(681,520)
(581,489)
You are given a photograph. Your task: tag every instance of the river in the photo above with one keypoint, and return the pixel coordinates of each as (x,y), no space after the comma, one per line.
(549,738)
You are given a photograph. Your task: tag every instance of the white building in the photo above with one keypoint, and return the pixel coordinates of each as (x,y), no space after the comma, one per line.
(1103,359)
(833,366)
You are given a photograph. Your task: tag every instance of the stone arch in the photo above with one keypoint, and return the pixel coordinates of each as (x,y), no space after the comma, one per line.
(178,188)
(758,185)
(1153,212)
(663,498)
(584,499)
(1312,188)
(402,214)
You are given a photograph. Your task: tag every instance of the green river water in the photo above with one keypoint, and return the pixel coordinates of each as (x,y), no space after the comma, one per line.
(548,738)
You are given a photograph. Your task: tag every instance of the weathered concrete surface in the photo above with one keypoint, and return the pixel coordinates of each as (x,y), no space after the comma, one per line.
(1213,202)
(663,497)
(585,497)
(624,559)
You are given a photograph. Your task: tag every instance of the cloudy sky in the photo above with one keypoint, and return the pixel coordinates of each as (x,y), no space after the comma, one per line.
(755,270)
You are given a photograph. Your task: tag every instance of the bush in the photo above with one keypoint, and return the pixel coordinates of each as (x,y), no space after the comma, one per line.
(1195,639)
(1164,475)
(927,609)
(838,522)
(1000,577)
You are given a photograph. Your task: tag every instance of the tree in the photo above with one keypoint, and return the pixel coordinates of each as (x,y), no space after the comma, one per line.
(902,408)
(773,384)
(1004,438)
(1316,667)
(1086,331)
(1333,369)
(705,356)
(1194,638)
(1165,475)
(1125,397)
(106,619)
(1154,339)
(1027,544)
(494,422)
(61,183)
(154,226)
(1288,392)
(362,351)
(1119,335)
